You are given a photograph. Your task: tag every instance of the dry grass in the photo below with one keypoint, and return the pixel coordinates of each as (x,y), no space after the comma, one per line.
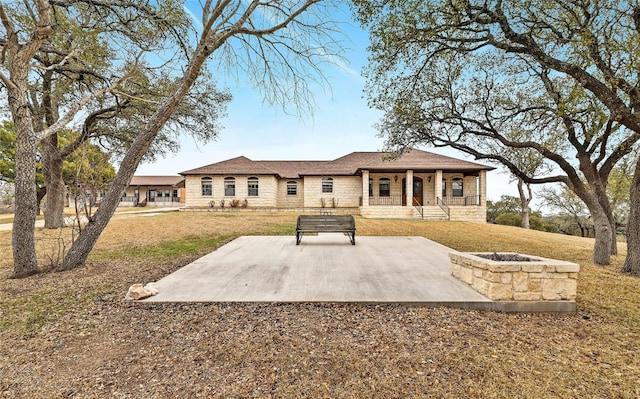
(71,335)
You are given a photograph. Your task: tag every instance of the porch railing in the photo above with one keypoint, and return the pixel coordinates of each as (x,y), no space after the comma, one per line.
(419,208)
(136,200)
(442,202)
(466,201)
(386,200)
(133,199)
(444,207)
(164,199)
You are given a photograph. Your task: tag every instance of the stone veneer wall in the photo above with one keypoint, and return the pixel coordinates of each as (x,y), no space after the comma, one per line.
(470,213)
(540,280)
(347,191)
(290,201)
(399,212)
(267,191)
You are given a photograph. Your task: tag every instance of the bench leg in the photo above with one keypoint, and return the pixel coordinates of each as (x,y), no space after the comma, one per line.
(352,237)
(298,238)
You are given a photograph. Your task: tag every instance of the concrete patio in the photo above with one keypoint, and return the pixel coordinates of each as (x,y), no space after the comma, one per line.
(327,268)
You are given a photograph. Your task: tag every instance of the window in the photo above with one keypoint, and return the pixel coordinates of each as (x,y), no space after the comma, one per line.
(292,188)
(207,186)
(252,186)
(384,187)
(229,186)
(327,184)
(456,187)
(444,188)
(175,193)
(370,187)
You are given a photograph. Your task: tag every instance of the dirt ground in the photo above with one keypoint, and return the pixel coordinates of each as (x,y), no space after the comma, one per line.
(72,335)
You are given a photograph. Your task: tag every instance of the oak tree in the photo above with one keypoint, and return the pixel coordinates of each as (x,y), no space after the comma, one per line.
(466,74)
(281,46)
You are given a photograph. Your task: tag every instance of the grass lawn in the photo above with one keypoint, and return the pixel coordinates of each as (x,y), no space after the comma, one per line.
(71,334)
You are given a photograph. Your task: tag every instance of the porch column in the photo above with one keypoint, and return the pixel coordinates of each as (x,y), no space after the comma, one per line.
(365,188)
(409,188)
(483,188)
(438,185)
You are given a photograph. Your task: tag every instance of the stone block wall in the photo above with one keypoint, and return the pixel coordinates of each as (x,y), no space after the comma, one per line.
(471,213)
(267,191)
(347,191)
(290,201)
(541,279)
(385,212)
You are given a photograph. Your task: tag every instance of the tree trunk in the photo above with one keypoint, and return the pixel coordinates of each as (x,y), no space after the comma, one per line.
(602,246)
(25,262)
(524,204)
(52,160)
(632,261)
(18,57)
(40,194)
(52,168)
(525,218)
(81,248)
(600,209)
(614,234)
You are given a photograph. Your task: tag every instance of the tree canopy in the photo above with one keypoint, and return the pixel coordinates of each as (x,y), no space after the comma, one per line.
(84,167)
(282,46)
(554,78)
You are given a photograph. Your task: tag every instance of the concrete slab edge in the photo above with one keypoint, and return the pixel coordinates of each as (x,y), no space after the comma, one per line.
(500,306)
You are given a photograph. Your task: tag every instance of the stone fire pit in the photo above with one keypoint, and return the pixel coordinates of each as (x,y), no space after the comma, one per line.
(508,276)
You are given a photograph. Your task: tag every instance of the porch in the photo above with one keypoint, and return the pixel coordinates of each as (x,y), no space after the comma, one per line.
(429,195)
(150,201)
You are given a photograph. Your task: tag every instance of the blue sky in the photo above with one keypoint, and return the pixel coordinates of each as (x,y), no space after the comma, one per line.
(342,123)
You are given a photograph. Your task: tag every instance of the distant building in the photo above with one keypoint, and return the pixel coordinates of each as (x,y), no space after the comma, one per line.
(154,191)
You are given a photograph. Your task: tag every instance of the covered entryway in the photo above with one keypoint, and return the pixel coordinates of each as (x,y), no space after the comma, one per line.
(417,191)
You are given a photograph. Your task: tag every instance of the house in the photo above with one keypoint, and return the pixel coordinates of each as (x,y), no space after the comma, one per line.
(154,191)
(418,184)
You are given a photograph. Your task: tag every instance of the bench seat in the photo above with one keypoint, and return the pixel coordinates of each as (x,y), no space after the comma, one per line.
(326,224)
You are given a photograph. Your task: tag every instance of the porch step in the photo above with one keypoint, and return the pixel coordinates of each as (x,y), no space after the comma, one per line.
(430,213)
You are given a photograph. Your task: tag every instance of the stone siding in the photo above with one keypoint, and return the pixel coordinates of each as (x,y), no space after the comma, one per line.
(347,191)
(386,212)
(290,201)
(539,280)
(267,191)
(471,213)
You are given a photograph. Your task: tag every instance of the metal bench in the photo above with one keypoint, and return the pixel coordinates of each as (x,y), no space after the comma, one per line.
(326,224)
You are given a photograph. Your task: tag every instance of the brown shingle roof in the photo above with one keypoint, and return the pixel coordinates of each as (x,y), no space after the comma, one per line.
(295,169)
(244,166)
(349,164)
(156,180)
(234,166)
(416,160)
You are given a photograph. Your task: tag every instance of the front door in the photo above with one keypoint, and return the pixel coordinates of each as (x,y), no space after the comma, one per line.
(417,191)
